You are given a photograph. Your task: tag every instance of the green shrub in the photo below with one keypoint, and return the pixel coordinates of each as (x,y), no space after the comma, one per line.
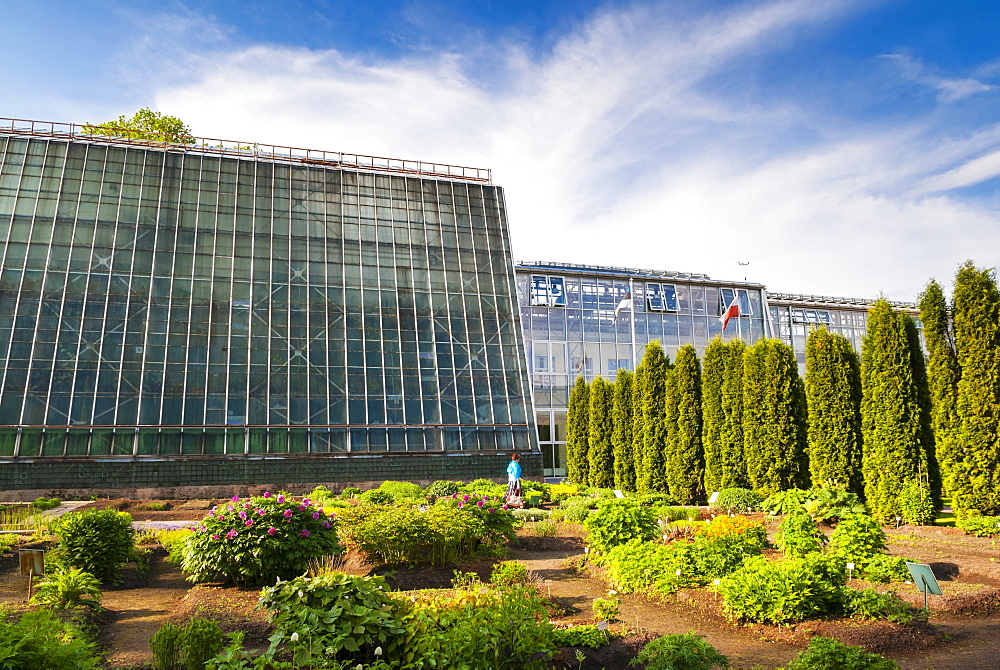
(377,497)
(671,513)
(883,569)
(870,604)
(684,651)
(738,501)
(485,487)
(153,506)
(402,491)
(857,538)
(167,647)
(577,509)
(508,573)
(322,496)
(607,609)
(96,541)
(175,542)
(798,535)
(440,489)
(188,647)
(6,542)
(348,616)
(39,641)
(44,503)
(254,540)
(68,589)
(587,635)
(980,526)
(822,504)
(544,528)
(824,653)
(617,521)
(350,492)
(782,592)
(917,503)
(505,629)
(637,564)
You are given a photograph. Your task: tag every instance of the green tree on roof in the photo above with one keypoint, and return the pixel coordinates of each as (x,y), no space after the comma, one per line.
(144,125)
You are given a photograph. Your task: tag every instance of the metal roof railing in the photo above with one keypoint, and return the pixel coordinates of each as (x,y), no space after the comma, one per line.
(831,300)
(252,150)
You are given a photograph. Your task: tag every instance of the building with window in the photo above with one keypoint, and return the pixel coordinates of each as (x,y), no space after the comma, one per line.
(224,314)
(592,320)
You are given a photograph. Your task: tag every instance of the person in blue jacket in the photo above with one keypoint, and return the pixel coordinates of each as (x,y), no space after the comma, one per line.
(514,476)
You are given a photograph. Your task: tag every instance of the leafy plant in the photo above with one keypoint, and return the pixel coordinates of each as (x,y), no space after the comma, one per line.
(608,609)
(857,538)
(505,629)
(337,612)
(402,491)
(508,573)
(824,653)
(350,492)
(530,514)
(377,497)
(617,521)
(96,541)
(167,647)
(144,125)
(545,528)
(442,488)
(823,504)
(883,569)
(188,647)
(68,589)
(684,651)
(587,635)
(560,492)
(798,535)
(175,542)
(782,592)
(321,496)
(916,503)
(44,503)
(738,501)
(6,542)
(870,604)
(577,509)
(254,540)
(980,526)
(40,641)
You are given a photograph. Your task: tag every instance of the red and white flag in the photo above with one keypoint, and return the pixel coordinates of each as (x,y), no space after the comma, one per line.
(731,311)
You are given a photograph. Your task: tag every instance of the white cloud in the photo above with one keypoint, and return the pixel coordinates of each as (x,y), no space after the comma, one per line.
(949,90)
(613,150)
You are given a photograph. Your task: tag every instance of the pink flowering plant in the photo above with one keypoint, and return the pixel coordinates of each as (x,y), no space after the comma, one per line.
(253,541)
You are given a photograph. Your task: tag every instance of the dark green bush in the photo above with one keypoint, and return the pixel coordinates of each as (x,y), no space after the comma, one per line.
(824,653)
(782,592)
(347,616)
(738,501)
(798,535)
(96,541)
(917,503)
(684,651)
(39,641)
(254,540)
(617,521)
(377,497)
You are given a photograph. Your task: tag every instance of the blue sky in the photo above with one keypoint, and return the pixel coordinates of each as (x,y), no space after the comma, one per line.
(841,147)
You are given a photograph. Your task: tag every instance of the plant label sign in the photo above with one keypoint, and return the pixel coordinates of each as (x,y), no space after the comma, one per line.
(602,625)
(32,562)
(619,494)
(712,498)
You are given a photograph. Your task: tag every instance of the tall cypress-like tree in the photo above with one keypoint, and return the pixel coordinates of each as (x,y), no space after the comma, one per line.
(577,425)
(774,418)
(622,406)
(685,458)
(833,395)
(653,393)
(929,472)
(890,412)
(976,314)
(638,426)
(600,458)
(722,415)
(943,373)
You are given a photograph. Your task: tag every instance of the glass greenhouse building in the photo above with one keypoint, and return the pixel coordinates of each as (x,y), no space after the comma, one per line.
(218,314)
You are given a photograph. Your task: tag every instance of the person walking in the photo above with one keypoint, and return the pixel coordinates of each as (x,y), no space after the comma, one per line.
(514,479)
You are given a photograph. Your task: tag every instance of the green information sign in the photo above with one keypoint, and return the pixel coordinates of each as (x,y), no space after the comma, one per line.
(924,579)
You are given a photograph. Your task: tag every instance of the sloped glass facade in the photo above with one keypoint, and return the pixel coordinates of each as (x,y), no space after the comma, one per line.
(160,303)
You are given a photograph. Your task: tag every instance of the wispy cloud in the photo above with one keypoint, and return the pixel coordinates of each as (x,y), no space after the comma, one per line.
(620,147)
(949,90)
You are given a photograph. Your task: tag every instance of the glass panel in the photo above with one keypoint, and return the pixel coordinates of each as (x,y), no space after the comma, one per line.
(670,297)
(557,292)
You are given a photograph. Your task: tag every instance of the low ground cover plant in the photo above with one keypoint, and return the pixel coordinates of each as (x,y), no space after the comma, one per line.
(575,509)
(254,540)
(40,641)
(98,542)
(44,503)
(587,635)
(66,589)
(980,526)
(684,651)
(824,653)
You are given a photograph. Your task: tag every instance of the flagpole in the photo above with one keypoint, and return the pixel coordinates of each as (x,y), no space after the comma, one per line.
(632,321)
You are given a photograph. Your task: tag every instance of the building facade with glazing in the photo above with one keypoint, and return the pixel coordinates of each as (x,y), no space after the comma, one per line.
(237,305)
(575,323)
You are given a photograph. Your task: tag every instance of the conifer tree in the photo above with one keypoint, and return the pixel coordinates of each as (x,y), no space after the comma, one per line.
(685,459)
(600,463)
(943,373)
(622,406)
(638,426)
(577,424)
(890,412)
(976,314)
(833,396)
(653,393)
(929,475)
(774,418)
(722,414)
